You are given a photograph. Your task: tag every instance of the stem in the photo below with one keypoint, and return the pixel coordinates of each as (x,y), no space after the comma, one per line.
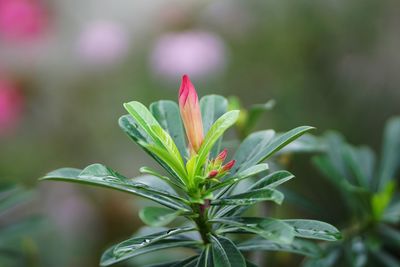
(202,222)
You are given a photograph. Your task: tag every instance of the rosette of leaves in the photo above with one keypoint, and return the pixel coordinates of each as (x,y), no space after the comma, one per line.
(371,235)
(202,195)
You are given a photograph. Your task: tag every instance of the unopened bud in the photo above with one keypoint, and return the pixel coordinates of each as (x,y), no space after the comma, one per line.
(221,157)
(228,166)
(212,174)
(191,114)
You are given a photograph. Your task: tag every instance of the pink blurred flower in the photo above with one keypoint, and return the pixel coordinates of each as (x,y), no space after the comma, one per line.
(11,104)
(103,42)
(22,19)
(197,53)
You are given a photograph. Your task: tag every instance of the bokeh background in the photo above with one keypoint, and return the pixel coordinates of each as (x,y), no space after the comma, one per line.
(66,67)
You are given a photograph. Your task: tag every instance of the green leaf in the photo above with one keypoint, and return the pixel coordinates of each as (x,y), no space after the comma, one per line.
(189,262)
(255,113)
(381,200)
(100,175)
(250,198)
(225,253)
(134,131)
(250,172)
(167,114)
(205,259)
(158,216)
(298,246)
(390,151)
(215,132)
(273,180)
(147,170)
(140,245)
(305,144)
(162,140)
(361,162)
(212,108)
(267,228)
(178,169)
(249,151)
(168,144)
(268,182)
(330,170)
(261,145)
(314,229)
(392,213)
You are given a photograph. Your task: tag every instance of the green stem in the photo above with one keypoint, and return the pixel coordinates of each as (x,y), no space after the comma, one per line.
(202,222)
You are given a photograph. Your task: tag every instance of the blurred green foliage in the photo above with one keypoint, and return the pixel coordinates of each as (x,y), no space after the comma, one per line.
(330,64)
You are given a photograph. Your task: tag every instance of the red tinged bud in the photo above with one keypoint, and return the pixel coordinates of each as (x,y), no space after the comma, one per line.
(191,114)
(221,157)
(228,166)
(212,174)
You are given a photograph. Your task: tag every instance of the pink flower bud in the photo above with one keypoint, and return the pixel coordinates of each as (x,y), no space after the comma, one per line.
(212,174)
(228,166)
(191,114)
(221,157)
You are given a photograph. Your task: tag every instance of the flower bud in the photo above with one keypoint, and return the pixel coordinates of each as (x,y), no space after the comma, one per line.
(220,158)
(191,114)
(228,166)
(212,174)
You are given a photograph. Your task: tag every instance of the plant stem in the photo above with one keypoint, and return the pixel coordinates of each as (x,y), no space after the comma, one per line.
(202,222)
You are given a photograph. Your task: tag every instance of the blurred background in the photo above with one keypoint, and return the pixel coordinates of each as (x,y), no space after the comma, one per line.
(66,67)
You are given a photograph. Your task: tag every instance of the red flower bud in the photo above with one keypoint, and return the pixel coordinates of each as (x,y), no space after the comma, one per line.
(212,174)
(228,166)
(221,157)
(191,114)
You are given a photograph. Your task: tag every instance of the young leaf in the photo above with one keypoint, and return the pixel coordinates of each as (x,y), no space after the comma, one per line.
(130,127)
(314,229)
(225,253)
(167,114)
(215,132)
(298,246)
(158,216)
(100,175)
(162,140)
(176,167)
(267,228)
(212,107)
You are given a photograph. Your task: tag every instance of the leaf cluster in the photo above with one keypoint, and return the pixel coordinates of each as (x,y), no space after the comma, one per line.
(217,228)
(368,190)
